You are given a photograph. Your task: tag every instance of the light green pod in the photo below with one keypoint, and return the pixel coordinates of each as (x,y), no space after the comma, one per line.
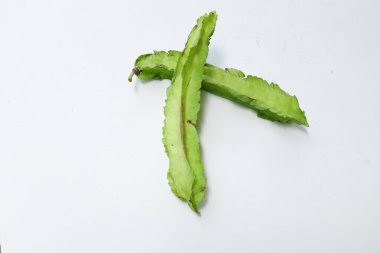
(180,137)
(269,100)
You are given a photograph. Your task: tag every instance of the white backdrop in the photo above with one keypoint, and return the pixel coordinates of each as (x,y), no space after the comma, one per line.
(82,166)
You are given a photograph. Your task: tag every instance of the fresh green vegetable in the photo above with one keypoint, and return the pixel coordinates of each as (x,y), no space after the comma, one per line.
(269,100)
(181,140)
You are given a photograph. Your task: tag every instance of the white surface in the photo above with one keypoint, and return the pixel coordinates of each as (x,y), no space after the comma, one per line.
(82,167)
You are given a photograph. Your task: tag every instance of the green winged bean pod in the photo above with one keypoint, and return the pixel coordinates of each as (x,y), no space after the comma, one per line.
(186,177)
(269,100)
